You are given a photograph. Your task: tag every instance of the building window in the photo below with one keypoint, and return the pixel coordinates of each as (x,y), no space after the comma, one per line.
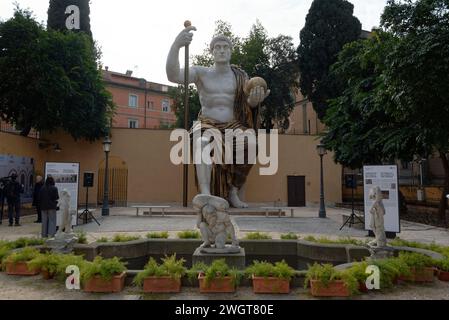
(133,123)
(304,119)
(150,105)
(165,105)
(132,101)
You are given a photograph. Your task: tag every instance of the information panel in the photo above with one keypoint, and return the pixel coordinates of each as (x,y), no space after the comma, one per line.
(66,176)
(386,178)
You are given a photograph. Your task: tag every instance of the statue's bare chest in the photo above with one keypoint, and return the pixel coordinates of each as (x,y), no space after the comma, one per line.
(216,83)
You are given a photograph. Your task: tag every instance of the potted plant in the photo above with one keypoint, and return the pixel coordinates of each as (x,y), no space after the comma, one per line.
(391,270)
(216,278)
(47,263)
(325,281)
(17,263)
(163,278)
(443,269)
(269,278)
(103,275)
(358,271)
(421,267)
(65,261)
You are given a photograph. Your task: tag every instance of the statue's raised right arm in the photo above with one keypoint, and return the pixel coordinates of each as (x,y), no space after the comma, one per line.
(174,72)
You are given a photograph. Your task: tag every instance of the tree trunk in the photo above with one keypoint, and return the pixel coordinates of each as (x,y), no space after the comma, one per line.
(443,202)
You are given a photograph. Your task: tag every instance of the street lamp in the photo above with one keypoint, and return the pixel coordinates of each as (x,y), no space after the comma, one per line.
(322,152)
(106,148)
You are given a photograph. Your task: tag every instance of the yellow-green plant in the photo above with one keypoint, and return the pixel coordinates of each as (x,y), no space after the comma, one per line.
(189,234)
(170,267)
(257,236)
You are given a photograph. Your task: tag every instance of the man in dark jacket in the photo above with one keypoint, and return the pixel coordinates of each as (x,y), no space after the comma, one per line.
(36,198)
(49,202)
(13,191)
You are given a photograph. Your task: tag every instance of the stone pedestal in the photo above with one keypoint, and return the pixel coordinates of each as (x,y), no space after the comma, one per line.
(62,243)
(234,260)
(381,253)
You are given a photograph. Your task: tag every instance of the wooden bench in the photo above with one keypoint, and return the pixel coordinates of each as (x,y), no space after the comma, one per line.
(279,210)
(151,209)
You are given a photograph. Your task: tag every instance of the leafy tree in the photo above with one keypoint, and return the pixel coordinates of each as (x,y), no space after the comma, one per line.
(50,80)
(177,94)
(270,58)
(418,74)
(330,24)
(57,14)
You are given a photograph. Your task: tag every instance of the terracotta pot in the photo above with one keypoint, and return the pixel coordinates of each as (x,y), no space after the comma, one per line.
(270,285)
(96,284)
(220,285)
(362,287)
(334,289)
(161,285)
(20,269)
(443,276)
(47,275)
(424,275)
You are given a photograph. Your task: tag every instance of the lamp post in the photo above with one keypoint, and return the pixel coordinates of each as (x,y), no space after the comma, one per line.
(106,148)
(322,152)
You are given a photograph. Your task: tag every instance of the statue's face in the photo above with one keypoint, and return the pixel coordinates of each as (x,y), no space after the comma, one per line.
(222,52)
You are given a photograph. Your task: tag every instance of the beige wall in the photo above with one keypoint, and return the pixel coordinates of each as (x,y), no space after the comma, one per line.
(14,144)
(152,177)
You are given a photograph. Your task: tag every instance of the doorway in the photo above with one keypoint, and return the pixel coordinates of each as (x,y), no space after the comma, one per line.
(296,191)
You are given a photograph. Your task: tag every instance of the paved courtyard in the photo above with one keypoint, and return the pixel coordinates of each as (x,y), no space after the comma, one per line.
(304,223)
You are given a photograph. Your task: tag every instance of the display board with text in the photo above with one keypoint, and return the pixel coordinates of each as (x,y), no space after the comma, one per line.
(386,178)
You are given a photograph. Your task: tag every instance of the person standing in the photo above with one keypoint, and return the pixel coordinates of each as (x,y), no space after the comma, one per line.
(48,198)
(13,191)
(36,199)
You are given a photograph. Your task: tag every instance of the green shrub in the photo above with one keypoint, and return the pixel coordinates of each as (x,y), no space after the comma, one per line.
(124,238)
(391,269)
(26,242)
(443,265)
(289,236)
(157,235)
(279,270)
(217,270)
(398,242)
(68,260)
(416,260)
(103,240)
(25,255)
(105,268)
(326,274)
(346,240)
(82,238)
(189,234)
(170,267)
(257,236)
(47,262)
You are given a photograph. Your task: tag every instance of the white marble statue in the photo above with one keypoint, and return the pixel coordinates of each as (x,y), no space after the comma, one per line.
(215,224)
(64,208)
(224,106)
(377,212)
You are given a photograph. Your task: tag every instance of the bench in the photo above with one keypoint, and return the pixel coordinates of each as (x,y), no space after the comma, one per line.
(151,209)
(278,209)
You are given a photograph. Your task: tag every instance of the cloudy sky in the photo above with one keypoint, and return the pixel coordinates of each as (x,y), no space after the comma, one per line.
(137,34)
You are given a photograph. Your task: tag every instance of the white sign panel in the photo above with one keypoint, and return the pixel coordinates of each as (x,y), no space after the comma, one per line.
(386,178)
(66,176)
(24,168)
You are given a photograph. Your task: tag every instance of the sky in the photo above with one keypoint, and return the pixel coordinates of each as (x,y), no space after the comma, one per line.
(137,34)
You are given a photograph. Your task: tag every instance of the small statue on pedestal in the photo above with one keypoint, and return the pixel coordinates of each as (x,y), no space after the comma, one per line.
(65,238)
(215,225)
(377,218)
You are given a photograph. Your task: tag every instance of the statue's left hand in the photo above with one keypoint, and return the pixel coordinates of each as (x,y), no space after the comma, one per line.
(257,96)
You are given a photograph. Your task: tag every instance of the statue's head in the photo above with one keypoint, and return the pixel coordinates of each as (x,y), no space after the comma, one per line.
(221,48)
(375,194)
(65,194)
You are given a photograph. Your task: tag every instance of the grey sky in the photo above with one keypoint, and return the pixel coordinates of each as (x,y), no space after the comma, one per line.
(137,34)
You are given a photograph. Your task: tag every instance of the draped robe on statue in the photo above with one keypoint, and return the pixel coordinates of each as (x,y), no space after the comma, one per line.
(245,117)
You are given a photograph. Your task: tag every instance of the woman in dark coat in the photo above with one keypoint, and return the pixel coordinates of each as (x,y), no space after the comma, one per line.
(49,202)
(36,199)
